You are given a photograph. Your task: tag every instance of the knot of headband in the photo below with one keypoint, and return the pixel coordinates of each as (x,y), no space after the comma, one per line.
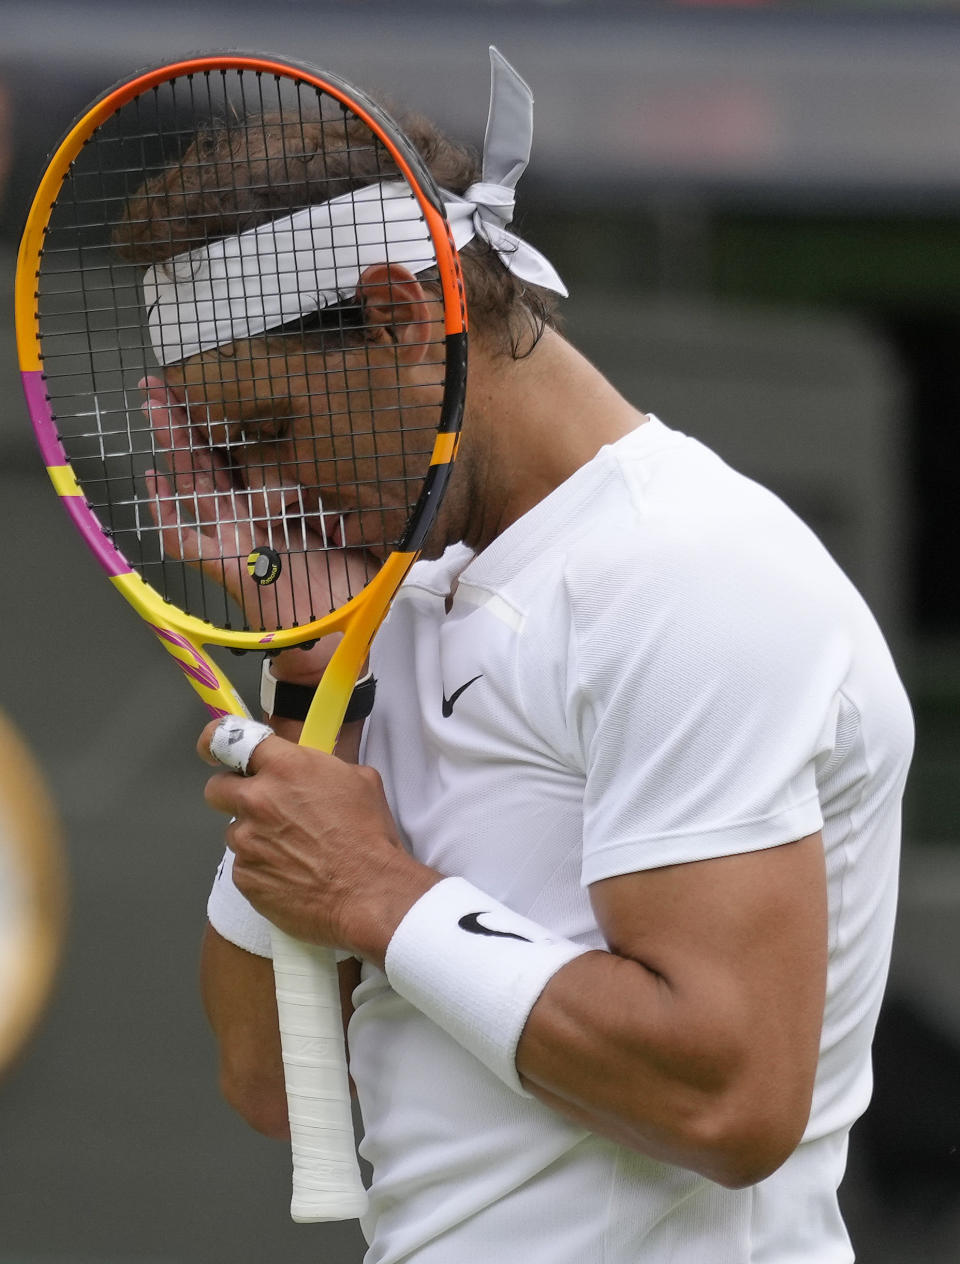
(242,286)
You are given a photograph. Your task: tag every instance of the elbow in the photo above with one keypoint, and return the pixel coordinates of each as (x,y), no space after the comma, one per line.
(258,1100)
(736,1134)
(743,1140)
(746,1119)
(741,1165)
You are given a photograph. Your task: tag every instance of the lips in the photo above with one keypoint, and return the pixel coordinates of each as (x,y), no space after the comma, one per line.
(335,531)
(329,524)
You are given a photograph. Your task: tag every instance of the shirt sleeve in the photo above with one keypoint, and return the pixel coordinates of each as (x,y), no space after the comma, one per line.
(703,695)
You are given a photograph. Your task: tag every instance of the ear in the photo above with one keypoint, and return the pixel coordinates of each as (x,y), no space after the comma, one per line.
(397,311)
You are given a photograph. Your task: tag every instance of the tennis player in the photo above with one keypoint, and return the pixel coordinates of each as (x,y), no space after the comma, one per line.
(615,875)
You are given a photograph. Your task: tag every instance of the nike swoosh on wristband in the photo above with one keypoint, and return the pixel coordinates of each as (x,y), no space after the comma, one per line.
(448,702)
(469,923)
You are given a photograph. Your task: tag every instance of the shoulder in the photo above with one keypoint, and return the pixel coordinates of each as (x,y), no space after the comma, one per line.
(706,562)
(700,575)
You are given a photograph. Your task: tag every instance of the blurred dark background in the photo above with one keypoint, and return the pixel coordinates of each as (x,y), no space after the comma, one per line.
(756,208)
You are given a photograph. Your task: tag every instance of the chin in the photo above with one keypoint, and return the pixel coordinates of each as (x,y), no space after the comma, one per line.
(431,550)
(439,539)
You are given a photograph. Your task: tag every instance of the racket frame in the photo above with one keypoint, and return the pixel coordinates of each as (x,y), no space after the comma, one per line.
(185,636)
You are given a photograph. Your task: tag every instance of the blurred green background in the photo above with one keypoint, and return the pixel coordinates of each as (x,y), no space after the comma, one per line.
(756,208)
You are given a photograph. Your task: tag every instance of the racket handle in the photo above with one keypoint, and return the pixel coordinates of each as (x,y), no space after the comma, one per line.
(326,1174)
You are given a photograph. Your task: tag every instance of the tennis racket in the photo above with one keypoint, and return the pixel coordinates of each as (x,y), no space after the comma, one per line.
(242,336)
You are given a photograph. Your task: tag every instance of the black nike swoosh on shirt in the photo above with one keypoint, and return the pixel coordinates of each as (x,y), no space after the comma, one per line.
(469,922)
(448,702)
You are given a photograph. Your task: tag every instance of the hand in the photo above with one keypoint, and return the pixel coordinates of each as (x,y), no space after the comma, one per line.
(317,850)
(210,517)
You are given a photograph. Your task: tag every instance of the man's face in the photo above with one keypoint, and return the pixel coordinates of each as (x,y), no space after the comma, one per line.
(344,437)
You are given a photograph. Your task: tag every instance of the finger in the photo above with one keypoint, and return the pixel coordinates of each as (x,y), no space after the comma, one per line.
(203,483)
(198,468)
(232,741)
(350,570)
(222,793)
(187,453)
(187,444)
(148,384)
(159,402)
(178,539)
(213,531)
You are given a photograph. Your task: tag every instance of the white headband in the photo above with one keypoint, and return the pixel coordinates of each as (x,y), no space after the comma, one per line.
(242,286)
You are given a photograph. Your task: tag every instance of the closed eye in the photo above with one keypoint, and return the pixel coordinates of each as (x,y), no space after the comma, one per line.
(257,432)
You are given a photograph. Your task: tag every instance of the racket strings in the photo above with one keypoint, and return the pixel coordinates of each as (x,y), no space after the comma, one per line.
(301,440)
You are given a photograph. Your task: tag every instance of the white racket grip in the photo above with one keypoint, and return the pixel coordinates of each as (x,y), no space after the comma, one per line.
(326,1174)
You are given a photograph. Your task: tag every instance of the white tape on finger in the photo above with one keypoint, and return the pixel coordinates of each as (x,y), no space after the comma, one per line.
(235,739)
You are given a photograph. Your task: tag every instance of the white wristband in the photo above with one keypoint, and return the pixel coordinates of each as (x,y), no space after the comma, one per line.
(233,916)
(476,969)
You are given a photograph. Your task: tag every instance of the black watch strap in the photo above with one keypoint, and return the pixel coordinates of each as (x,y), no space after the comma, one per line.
(361,700)
(287,701)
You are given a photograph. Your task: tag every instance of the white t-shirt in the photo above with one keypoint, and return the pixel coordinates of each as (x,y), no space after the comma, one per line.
(659,663)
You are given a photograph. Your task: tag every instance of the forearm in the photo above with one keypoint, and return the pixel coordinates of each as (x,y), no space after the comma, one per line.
(240,1002)
(239,998)
(613,1047)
